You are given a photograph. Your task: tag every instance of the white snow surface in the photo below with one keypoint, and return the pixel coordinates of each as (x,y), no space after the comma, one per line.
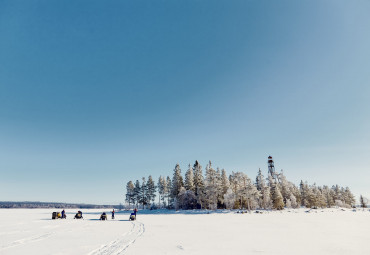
(300,231)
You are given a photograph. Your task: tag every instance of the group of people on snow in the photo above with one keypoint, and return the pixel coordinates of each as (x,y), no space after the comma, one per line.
(103,216)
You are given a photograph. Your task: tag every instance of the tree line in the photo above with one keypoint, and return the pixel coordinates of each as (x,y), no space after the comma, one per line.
(217,190)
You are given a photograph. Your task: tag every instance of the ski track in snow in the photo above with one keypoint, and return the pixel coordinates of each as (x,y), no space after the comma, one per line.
(26,240)
(119,245)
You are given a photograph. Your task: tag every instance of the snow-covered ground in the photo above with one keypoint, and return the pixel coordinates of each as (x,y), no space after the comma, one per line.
(329,231)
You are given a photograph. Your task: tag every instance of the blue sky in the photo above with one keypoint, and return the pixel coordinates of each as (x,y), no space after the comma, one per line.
(96,93)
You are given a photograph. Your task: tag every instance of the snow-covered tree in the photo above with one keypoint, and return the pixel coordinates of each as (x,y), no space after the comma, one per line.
(288,204)
(363,201)
(143,199)
(130,193)
(162,189)
(264,200)
(320,198)
(348,197)
(199,184)
(277,198)
(187,199)
(293,201)
(168,191)
(246,193)
(189,179)
(150,190)
(229,199)
(225,184)
(303,188)
(259,180)
(137,192)
(212,187)
(284,186)
(177,182)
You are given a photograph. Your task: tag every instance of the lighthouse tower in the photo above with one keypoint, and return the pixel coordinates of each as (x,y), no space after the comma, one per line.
(271,166)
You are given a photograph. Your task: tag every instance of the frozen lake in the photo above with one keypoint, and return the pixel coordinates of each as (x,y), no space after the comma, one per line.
(329,231)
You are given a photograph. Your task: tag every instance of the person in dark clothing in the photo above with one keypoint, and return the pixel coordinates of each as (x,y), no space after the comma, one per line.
(63,214)
(135,211)
(113,214)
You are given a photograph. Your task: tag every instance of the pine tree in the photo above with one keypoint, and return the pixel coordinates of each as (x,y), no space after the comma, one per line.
(310,200)
(293,201)
(137,192)
(277,198)
(284,186)
(349,198)
(130,193)
(265,195)
(363,202)
(199,183)
(303,188)
(177,181)
(229,199)
(225,184)
(168,192)
(212,187)
(162,189)
(189,179)
(246,193)
(259,180)
(150,190)
(143,199)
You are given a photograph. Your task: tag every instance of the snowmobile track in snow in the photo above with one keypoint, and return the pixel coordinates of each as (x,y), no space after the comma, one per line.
(119,245)
(26,241)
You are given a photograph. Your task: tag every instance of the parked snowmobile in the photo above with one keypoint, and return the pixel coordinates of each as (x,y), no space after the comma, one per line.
(132,216)
(56,215)
(78,215)
(103,216)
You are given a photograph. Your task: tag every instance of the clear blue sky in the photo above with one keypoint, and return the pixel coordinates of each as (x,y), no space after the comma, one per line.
(96,93)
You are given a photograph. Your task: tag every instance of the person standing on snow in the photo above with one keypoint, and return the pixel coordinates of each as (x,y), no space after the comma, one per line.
(63,214)
(135,211)
(113,214)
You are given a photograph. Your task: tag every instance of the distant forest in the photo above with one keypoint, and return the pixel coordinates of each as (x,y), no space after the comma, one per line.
(217,190)
(27,204)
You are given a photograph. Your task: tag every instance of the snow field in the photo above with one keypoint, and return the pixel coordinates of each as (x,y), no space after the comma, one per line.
(328,231)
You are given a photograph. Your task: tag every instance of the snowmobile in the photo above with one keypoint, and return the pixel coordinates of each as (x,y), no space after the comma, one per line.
(56,215)
(78,215)
(132,216)
(103,216)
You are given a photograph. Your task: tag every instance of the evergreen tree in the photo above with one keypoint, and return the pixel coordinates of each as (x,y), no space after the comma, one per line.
(199,184)
(130,193)
(246,193)
(189,179)
(137,192)
(187,199)
(212,187)
(177,181)
(304,190)
(162,190)
(277,198)
(168,191)
(143,199)
(265,195)
(259,180)
(363,202)
(293,201)
(150,190)
(229,199)
(284,186)
(225,184)
(310,199)
(348,197)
